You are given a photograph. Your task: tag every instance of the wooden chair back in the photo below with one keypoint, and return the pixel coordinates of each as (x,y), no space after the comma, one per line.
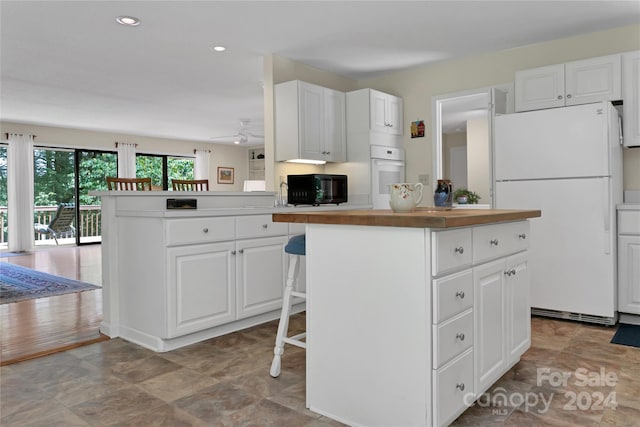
(128,184)
(190,184)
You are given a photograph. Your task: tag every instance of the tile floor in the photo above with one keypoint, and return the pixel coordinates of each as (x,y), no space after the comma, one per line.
(225,382)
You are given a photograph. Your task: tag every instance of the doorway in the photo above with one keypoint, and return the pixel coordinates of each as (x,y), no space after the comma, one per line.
(463,126)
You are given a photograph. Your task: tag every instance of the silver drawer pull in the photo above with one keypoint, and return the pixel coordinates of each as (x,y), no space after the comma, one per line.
(522,236)
(460,386)
(460,337)
(265,225)
(460,294)
(559,96)
(513,272)
(205,230)
(459,250)
(241,251)
(233,252)
(494,242)
(507,273)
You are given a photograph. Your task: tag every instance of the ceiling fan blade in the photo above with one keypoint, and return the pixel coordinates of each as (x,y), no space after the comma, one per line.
(225,137)
(255,135)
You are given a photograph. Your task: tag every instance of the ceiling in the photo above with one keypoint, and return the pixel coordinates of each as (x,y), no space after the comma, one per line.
(69,64)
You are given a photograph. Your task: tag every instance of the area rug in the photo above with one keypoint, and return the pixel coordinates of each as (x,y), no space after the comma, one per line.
(627,335)
(20,283)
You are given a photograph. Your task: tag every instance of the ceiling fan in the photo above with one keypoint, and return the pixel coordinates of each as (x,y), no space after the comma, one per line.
(242,137)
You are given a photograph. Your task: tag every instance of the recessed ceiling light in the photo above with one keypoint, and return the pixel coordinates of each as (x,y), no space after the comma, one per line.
(218,48)
(128,20)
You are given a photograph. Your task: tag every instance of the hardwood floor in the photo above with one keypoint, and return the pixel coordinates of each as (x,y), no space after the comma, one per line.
(42,326)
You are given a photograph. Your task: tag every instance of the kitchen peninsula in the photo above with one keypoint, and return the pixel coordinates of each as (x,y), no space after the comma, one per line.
(176,276)
(411,316)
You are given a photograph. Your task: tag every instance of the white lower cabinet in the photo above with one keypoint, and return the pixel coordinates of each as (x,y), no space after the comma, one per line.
(201,289)
(200,277)
(629,261)
(481,315)
(260,269)
(503,317)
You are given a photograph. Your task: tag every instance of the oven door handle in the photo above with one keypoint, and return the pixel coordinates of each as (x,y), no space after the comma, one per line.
(388,162)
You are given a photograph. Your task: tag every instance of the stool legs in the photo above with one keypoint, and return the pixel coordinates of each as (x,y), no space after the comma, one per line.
(283,326)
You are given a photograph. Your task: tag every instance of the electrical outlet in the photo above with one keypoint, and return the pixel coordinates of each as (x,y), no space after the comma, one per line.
(424,179)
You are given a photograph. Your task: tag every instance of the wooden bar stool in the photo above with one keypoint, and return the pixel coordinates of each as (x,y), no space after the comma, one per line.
(295,248)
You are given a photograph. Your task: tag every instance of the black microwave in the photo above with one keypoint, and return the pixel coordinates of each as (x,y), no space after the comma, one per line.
(316,189)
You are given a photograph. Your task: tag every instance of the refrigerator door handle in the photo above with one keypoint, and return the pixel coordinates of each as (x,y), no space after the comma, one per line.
(606,215)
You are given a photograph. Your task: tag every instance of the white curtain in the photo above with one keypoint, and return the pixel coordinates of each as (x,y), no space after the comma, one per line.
(202,164)
(126,160)
(20,192)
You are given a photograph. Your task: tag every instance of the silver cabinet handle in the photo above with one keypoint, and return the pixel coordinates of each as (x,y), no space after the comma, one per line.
(513,272)
(205,230)
(569,96)
(459,250)
(559,96)
(265,225)
(460,337)
(241,251)
(494,242)
(507,273)
(328,152)
(522,236)
(233,252)
(460,294)
(460,386)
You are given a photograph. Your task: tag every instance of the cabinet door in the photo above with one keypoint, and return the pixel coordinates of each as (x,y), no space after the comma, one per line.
(378,106)
(539,88)
(518,277)
(629,274)
(593,80)
(490,323)
(311,114)
(200,287)
(260,271)
(335,135)
(394,115)
(631,98)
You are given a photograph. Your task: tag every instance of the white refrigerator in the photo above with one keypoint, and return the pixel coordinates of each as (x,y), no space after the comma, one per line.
(566,162)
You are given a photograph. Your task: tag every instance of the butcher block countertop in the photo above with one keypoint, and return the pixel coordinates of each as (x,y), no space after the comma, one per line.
(419,218)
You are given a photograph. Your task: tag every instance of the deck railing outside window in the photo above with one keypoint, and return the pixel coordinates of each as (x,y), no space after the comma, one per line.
(90,221)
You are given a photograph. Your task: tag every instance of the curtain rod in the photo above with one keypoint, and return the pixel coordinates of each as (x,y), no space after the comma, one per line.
(196,150)
(6,135)
(124,143)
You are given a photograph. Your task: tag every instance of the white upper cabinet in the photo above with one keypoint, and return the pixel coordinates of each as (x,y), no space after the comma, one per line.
(386,113)
(573,83)
(309,122)
(631,98)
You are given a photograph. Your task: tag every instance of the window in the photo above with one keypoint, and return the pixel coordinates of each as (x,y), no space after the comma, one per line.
(162,169)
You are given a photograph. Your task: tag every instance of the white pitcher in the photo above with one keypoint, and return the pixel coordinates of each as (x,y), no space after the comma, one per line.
(404,197)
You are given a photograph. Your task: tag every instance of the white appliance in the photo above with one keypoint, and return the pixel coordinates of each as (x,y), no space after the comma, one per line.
(387,167)
(567,162)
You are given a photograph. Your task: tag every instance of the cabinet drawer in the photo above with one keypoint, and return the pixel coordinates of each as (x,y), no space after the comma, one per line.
(452,294)
(495,241)
(452,338)
(259,226)
(629,222)
(450,386)
(451,249)
(199,230)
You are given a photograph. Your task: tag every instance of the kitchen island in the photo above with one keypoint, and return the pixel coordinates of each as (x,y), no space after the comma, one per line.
(412,316)
(175,276)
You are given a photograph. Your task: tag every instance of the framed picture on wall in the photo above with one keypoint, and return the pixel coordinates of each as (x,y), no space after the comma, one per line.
(225,175)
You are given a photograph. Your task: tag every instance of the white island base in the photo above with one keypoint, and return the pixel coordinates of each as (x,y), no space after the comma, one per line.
(408,326)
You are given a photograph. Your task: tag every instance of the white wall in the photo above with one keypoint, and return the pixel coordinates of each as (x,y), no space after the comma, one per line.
(418,85)
(221,155)
(478,178)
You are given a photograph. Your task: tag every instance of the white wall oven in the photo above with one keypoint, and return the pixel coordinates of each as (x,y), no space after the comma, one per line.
(387,167)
